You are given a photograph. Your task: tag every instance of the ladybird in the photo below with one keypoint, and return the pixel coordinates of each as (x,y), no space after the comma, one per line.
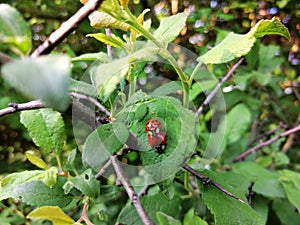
(153,126)
(156,136)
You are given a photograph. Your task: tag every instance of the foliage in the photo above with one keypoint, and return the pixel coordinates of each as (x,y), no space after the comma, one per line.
(114,93)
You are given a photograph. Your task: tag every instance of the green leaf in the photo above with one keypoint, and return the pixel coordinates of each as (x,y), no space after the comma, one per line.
(12,181)
(166,89)
(99,56)
(52,213)
(103,142)
(268,27)
(83,88)
(105,77)
(45,78)
(111,40)
(191,218)
(36,193)
(285,212)
(179,126)
(227,210)
(36,161)
(290,181)
(237,45)
(14,30)
(104,20)
(267,182)
(233,46)
(87,184)
(268,59)
(238,121)
(152,204)
(46,128)
(164,219)
(170,27)
(261,206)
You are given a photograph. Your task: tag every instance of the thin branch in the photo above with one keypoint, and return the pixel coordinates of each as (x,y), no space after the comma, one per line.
(14,107)
(267,133)
(130,191)
(84,216)
(215,91)
(290,140)
(103,170)
(109,47)
(205,180)
(266,143)
(66,28)
(92,100)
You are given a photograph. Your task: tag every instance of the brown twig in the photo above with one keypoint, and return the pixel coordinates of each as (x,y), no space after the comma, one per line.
(130,191)
(267,133)
(14,107)
(84,216)
(66,28)
(215,91)
(290,140)
(109,47)
(206,181)
(92,100)
(103,170)
(266,143)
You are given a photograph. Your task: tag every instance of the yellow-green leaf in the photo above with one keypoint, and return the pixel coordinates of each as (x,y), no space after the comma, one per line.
(233,46)
(124,3)
(14,30)
(268,27)
(111,40)
(104,20)
(52,213)
(11,181)
(36,161)
(237,45)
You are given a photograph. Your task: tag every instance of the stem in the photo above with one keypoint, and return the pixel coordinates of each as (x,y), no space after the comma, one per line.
(215,91)
(132,81)
(92,100)
(182,76)
(63,172)
(109,47)
(206,181)
(14,107)
(194,73)
(130,191)
(266,143)
(164,53)
(66,28)
(84,216)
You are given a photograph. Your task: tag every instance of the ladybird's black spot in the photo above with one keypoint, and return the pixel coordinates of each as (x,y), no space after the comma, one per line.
(160,149)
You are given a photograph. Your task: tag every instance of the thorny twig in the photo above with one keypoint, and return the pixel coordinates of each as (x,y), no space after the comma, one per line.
(215,91)
(206,181)
(14,107)
(130,191)
(266,143)
(66,28)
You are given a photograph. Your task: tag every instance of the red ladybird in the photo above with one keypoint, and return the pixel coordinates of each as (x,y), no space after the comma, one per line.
(156,136)
(153,126)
